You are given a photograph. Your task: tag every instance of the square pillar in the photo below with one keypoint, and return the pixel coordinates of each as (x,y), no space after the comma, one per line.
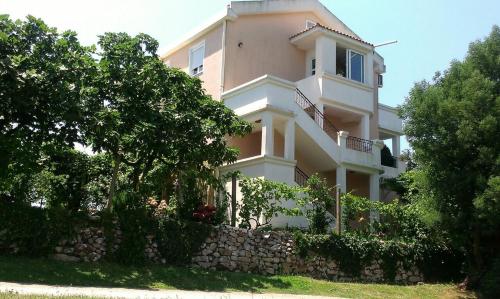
(395,146)
(341,176)
(267,143)
(326,57)
(376,149)
(290,139)
(342,138)
(365,126)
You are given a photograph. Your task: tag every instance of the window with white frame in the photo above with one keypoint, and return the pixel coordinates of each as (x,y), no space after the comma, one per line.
(355,66)
(310,24)
(196,55)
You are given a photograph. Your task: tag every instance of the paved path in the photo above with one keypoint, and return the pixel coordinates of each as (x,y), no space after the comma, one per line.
(38,289)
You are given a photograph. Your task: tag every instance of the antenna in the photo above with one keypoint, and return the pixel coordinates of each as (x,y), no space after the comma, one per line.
(386,43)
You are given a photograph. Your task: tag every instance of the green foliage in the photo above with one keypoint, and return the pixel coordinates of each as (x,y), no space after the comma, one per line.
(453,126)
(149,113)
(262,200)
(396,220)
(179,240)
(386,157)
(490,284)
(34,231)
(135,223)
(318,201)
(352,252)
(43,83)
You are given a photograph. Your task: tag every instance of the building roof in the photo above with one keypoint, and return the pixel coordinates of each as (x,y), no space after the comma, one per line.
(319,26)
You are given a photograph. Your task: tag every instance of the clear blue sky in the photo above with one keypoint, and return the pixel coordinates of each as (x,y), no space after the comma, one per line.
(431,33)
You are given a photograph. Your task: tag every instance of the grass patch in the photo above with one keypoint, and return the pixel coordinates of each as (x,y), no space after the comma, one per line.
(44,271)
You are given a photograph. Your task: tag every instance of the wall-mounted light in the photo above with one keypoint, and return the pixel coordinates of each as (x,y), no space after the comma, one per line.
(240,44)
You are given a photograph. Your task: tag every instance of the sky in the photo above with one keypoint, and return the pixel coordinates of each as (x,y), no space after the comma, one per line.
(430,33)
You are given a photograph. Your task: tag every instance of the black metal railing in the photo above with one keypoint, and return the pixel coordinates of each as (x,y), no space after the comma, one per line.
(354,143)
(300,177)
(359,144)
(316,114)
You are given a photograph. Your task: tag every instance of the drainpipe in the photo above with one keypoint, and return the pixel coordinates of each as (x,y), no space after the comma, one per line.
(223,62)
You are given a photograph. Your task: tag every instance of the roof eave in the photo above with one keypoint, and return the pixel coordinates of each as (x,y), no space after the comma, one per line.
(198,32)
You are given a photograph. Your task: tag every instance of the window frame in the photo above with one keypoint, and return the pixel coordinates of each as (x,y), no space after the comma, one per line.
(191,52)
(348,65)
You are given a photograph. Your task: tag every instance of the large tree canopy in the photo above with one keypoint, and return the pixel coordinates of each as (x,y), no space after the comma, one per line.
(453,125)
(148,113)
(121,100)
(43,90)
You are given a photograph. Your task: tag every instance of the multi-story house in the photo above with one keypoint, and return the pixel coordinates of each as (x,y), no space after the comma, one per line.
(309,85)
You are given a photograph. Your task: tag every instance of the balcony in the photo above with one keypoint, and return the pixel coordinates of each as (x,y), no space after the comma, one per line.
(354,143)
(388,120)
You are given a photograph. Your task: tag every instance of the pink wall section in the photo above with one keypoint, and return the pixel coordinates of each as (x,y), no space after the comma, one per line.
(212,62)
(265,48)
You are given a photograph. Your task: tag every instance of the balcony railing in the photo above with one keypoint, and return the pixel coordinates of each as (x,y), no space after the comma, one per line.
(316,114)
(359,144)
(354,143)
(300,177)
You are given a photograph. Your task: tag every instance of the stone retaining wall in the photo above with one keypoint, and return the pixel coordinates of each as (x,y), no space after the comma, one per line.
(89,245)
(273,252)
(234,249)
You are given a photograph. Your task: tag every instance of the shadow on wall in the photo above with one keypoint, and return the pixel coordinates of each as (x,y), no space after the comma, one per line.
(43,271)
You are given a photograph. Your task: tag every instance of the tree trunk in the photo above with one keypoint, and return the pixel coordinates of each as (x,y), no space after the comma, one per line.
(112,187)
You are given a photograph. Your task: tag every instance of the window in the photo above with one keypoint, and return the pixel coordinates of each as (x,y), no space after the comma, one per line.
(196,55)
(356,66)
(313,66)
(310,24)
(380,80)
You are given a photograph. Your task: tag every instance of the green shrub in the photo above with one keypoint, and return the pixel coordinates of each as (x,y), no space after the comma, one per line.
(179,240)
(34,231)
(386,157)
(135,223)
(23,226)
(317,200)
(352,252)
(490,283)
(262,200)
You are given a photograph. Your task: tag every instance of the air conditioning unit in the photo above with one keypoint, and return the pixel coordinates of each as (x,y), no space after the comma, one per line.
(380,81)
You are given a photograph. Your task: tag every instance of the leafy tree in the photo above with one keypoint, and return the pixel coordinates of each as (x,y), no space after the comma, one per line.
(43,89)
(264,199)
(318,202)
(149,113)
(453,125)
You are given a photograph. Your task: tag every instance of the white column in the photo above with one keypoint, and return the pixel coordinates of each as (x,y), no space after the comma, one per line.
(342,138)
(341,178)
(374,193)
(267,144)
(290,139)
(376,149)
(365,126)
(395,146)
(326,56)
